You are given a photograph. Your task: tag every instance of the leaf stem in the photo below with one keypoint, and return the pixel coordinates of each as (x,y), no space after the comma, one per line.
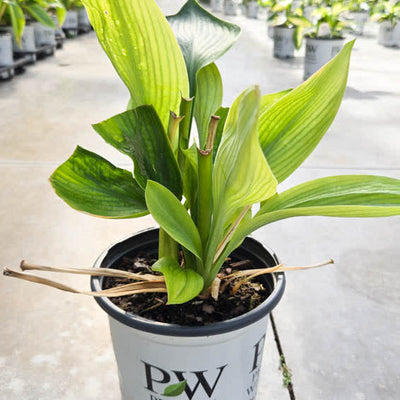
(167,247)
(173,124)
(184,127)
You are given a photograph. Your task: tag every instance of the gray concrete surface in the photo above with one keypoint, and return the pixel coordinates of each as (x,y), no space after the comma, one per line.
(339,326)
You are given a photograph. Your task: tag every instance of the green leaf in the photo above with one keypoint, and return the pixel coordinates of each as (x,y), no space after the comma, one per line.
(17,20)
(139,134)
(208,99)
(269,99)
(40,14)
(183,285)
(141,45)
(241,175)
(172,216)
(291,128)
(189,172)
(222,113)
(203,38)
(339,196)
(335,196)
(89,183)
(175,389)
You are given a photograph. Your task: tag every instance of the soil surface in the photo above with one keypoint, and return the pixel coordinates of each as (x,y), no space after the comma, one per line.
(199,311)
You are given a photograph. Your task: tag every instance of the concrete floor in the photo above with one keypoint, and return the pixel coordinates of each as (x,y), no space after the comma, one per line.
(339,326)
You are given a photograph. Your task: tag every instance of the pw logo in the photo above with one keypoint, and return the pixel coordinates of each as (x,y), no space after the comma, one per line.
(155,377)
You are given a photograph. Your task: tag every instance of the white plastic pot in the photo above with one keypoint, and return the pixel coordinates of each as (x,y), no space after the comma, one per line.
(283,42)
(44,35)
(83,19)
(389,36)
(58,30)
(218,361)
(216,5)
(359,20)
(71,20)
(252,10)
(230,7)
(27,41)
(318,53)
(6,52)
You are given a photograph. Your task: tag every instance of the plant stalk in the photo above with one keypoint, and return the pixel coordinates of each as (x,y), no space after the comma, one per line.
(167,247)
(184,128)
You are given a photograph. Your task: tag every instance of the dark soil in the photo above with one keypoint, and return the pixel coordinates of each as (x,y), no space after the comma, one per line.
(198,312)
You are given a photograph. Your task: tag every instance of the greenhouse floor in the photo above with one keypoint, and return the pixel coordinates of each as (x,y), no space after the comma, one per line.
(338,326)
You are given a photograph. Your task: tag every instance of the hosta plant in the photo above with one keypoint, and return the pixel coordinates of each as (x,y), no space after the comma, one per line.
(15,13)
(282,14)
(208,186)
(386,11)
(330,22)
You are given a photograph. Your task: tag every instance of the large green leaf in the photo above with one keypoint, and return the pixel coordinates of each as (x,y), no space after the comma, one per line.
(89,183)
(139,134)
(172,216)
(39,13)
(141,45)
(208,99)
(339,196)
(182,284)
(291,128)
(335,196)
(17,19)
(202,36)
(222,113)
(241,175)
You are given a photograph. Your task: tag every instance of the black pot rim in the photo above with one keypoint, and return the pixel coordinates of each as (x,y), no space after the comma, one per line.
(166,329)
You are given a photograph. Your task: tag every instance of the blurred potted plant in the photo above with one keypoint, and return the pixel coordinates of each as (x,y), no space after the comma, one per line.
(70,25)
(251,7)
(289,26)
(387,13)
(201,195)
(359,13)
(325,38)
(6,47)
(216,5)
(19,16)
(230,7)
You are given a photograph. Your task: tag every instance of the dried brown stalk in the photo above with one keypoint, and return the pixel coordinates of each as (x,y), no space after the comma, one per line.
(146,283)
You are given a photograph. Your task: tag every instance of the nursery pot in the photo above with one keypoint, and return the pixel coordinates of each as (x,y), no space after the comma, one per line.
(252,10)
(71,20)
(219,361)
(83,18)
(230,7)
(44,35)
(283,42)
(359,18)
(319,52)
(6,53)
(388,35)
(27,41)
(216,5)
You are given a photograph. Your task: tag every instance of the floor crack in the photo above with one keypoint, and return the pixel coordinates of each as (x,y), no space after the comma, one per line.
(286,373)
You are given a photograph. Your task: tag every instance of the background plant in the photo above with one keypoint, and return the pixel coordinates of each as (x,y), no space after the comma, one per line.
(386,11)
(202,194)
(16,13)
(282,14)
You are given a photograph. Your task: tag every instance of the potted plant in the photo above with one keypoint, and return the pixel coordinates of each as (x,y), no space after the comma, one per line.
(21,15)
(6,48)
(216,5)
(251,7)
(70,25)
(201,195)
(288,25)
(359,13)
(230,7)
(325,38)
(387,13)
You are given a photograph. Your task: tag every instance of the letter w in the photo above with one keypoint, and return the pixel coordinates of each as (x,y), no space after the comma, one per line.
(201,380)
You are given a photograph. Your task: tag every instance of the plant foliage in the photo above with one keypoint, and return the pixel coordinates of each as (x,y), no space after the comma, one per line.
(202,195)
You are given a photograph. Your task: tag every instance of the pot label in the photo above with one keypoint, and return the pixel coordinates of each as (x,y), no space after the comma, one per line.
(202,382)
